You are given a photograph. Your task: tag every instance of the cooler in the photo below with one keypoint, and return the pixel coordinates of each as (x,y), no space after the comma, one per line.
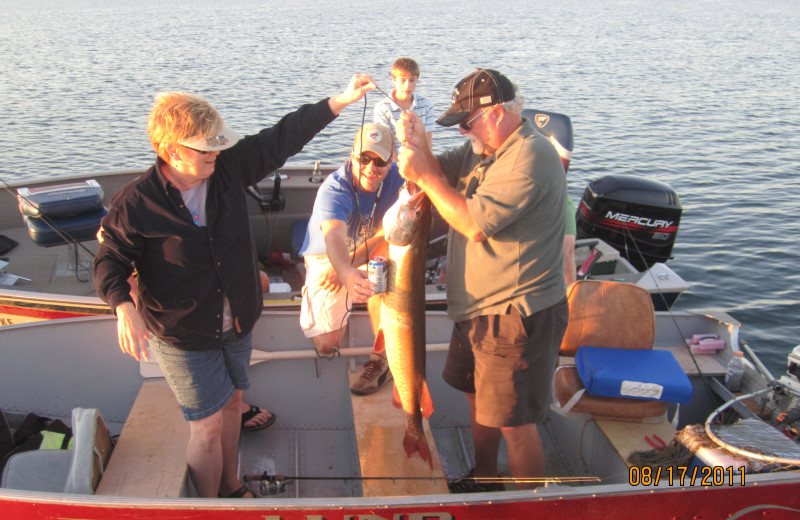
(63,213)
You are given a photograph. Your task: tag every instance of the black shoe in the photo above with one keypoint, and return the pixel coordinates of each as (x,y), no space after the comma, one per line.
(469,484)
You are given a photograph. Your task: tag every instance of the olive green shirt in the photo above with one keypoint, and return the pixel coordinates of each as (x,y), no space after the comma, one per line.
(517,197)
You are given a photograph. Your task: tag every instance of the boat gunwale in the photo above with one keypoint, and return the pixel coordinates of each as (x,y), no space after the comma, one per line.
(557,492)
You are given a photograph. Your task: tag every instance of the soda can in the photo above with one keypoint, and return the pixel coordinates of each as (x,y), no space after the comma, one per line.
(376,272)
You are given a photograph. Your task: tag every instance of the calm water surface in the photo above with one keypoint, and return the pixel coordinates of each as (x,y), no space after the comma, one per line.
(702,95)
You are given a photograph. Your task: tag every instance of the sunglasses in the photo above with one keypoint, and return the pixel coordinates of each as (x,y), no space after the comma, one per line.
(201,152)
(466,124)
(366,159)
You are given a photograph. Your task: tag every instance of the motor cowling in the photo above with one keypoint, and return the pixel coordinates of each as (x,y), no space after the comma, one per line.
(637,216)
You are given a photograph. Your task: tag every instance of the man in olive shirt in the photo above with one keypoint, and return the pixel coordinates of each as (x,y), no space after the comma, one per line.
(503,193)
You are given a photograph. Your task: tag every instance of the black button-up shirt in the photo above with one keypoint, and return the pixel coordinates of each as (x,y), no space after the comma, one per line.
(184,269)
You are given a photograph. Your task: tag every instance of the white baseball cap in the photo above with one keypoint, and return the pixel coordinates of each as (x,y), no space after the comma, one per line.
(222,141)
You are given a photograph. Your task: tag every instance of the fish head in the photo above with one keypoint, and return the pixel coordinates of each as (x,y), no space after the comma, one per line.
(410,216)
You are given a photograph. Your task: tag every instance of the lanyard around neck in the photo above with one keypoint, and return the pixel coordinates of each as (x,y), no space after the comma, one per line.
(357,187)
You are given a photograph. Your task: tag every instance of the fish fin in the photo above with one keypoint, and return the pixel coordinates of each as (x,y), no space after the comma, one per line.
(381,249)
(425,402)
(374,304)
(396,399)
(380,342)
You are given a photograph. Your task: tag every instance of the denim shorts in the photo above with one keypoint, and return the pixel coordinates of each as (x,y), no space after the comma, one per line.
(508,362)
(204,381)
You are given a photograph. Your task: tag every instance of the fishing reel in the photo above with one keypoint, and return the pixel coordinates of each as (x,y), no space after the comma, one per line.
(268,484)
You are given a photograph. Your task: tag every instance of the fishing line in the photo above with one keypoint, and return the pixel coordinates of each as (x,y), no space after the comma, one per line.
(357,227)
(382,92)
(703,377)
(356,186)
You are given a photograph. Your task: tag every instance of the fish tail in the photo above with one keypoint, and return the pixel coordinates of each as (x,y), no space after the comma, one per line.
(414,441)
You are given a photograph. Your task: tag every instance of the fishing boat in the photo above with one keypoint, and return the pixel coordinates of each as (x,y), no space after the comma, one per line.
(334,455)
(688,445)
(627,227)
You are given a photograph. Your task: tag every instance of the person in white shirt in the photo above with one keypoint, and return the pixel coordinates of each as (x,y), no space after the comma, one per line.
(405,76)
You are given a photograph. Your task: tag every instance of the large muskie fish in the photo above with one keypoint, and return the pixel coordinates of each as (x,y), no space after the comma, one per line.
(398,315)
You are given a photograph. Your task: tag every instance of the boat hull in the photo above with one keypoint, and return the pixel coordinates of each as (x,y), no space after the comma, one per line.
(776,500)
(85,368)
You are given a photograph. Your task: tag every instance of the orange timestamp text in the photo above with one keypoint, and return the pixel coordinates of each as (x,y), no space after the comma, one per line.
(709,476)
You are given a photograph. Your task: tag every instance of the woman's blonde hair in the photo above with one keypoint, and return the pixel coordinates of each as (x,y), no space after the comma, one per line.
(179,115)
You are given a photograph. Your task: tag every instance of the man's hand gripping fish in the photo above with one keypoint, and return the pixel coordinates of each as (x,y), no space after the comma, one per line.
(398,315)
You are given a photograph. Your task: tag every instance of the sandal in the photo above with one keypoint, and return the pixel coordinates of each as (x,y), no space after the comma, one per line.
(240,493)
(252,412)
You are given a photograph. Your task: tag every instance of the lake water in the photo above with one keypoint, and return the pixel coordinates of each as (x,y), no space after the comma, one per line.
(701,94)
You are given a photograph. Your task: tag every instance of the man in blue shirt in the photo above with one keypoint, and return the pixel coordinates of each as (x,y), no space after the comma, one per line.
(344,231)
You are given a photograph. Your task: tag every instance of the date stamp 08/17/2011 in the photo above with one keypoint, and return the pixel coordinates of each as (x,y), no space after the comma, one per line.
(709,476)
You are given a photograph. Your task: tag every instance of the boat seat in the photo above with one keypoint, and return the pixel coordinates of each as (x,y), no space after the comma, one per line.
(609,315)
(63,213)
(64,471)
(149,459)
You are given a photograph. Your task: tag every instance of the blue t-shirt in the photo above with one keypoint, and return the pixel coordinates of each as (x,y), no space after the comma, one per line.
(336,199)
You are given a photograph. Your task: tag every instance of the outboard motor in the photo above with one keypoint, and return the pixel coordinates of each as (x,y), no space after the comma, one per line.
(638,216)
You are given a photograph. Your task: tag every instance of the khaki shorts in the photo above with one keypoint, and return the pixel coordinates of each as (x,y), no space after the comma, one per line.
(508,362)
(321,311)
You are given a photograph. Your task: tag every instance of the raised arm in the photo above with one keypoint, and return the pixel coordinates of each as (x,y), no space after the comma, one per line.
(419,165)
(359,85)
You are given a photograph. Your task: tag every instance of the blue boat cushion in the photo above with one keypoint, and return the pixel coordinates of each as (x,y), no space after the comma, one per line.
(640,374)
(63,200)
(56,231)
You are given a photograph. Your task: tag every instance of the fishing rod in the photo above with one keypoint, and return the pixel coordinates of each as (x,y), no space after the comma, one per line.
(275,483)
(703,377)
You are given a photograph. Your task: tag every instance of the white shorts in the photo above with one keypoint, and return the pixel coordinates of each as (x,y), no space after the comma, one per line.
(321,311)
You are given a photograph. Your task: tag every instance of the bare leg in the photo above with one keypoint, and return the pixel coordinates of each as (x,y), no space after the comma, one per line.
(487,444)
(324,343)
(231,428)
(525,454)
(204,454)
(212,452)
